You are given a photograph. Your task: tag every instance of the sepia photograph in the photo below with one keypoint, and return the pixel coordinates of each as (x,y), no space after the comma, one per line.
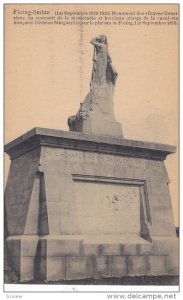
(91,142)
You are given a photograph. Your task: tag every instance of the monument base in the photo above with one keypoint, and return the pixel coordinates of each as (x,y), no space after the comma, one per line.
(69,257)
(80,206)
(96,116)
(96,125)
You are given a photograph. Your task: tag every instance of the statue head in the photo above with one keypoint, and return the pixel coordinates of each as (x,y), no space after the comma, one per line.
(103,39)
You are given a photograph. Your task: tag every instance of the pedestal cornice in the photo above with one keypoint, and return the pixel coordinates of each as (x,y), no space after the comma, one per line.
(38,137)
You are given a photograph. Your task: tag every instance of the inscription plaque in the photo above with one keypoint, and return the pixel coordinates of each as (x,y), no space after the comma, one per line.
(75,156)
(107,208)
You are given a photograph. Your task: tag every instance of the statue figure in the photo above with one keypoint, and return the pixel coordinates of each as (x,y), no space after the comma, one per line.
(96,114)
(103,72)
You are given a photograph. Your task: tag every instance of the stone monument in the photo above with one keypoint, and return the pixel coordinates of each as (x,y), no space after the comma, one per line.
(89,203)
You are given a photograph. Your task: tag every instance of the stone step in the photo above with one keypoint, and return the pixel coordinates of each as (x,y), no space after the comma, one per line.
(51,259)
(81,267)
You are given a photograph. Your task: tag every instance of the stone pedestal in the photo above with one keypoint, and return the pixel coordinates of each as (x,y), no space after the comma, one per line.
(84,206)
(96,115)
